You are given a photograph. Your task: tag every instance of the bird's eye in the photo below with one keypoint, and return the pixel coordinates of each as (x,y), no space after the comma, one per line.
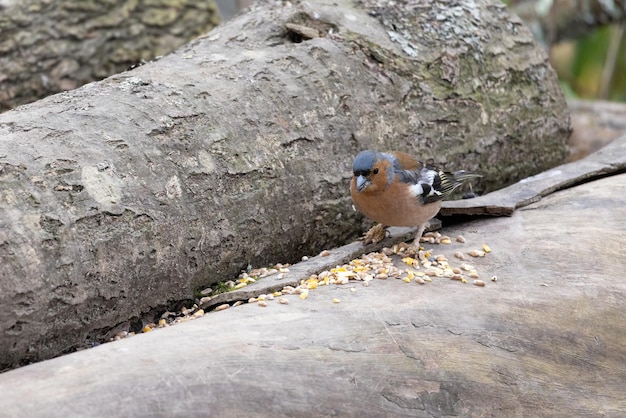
(375,171)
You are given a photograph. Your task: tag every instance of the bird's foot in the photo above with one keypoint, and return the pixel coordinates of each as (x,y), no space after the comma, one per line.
(376,234)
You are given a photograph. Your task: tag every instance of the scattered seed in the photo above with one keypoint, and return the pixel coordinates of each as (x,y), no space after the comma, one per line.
(476,253)
(434,272)
(459,255)
(406,280)
(486,248)
(222,307)
(325,253)
(479,283)
(335,300)
(268,272)
(473,274)
(456,270)
(283,301)
(305,258)
(167,314)
(262,303)
(457,277)
(419,280)
(411,262)
(381,276)
(304,294)
(446,240)
(147,328)
(239,302)
(198,313)
(162,323)
(206,292)
(461,239)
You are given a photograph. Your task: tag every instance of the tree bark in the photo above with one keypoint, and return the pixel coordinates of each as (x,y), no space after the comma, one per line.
(47,47)
(129,193)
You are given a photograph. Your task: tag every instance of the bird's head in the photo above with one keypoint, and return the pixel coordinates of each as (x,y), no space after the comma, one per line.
(372,171)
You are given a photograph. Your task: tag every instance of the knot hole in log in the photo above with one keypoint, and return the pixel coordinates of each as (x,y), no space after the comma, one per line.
(302,27)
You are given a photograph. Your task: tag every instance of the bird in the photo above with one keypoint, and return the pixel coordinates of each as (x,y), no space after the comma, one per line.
(395,189)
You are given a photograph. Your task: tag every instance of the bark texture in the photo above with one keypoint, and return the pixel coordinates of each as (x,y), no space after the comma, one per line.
(128,193)
(47,46)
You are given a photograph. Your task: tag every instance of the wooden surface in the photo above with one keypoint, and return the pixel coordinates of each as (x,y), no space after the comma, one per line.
(547,339)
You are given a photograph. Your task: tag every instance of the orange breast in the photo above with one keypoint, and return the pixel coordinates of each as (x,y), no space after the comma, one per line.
(394,206)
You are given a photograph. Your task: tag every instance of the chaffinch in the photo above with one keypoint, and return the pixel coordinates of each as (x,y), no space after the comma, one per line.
(397,190)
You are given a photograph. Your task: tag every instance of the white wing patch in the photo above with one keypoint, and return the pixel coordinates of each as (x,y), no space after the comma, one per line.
(416,190)
(428,176)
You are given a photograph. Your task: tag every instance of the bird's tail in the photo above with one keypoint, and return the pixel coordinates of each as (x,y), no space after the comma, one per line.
(451,181)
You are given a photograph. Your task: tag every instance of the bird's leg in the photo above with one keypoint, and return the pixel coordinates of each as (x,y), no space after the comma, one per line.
(376,234)
(418,235)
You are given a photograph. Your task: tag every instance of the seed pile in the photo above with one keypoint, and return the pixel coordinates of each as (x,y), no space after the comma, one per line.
(422,266)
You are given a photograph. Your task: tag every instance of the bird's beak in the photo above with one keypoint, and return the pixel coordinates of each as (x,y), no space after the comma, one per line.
(361,183)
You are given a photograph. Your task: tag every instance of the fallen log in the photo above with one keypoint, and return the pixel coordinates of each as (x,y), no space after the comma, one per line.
(47,47)
(129,193)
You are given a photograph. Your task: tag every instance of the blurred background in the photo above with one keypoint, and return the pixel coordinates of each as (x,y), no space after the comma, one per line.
(586,44)
(585,41)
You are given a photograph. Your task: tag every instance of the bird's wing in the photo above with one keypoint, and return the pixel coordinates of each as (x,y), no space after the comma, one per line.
(431,184)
